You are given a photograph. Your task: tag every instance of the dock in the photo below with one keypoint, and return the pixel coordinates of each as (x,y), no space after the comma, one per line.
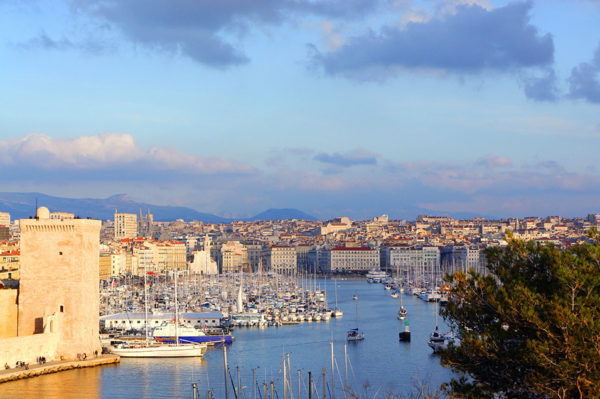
(18,373)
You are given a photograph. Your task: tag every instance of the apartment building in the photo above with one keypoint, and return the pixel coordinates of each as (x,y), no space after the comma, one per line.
(350,259)
(126,225)
(281,259)
(411,261)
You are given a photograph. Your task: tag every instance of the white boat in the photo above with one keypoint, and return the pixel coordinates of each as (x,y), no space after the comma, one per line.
(355,335)
(430,296)
(402,312)
(337,312)
(376,276)
(158,350)
(437,340)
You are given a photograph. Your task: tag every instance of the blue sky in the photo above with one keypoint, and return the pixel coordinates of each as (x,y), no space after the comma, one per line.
(335,107)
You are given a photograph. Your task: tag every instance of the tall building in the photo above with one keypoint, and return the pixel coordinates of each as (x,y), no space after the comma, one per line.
(126,225)
(4,219)
(58,292)
(233,256)
(281,259)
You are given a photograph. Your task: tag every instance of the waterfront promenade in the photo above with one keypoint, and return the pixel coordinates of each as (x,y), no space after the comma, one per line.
(35,370)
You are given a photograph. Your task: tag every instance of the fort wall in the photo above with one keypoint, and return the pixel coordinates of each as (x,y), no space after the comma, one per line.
(8,313)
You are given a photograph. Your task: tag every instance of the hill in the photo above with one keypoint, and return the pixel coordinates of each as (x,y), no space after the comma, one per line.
(285,213)
(22,206)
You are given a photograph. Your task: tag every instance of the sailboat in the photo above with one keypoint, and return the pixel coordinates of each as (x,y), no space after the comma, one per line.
(355,334)
(402,312)
(154,349)
(337,312)
(437,339)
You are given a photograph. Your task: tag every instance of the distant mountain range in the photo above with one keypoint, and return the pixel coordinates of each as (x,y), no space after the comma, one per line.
(22,206)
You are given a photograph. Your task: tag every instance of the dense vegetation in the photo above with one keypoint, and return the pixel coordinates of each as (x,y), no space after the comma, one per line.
(531,328)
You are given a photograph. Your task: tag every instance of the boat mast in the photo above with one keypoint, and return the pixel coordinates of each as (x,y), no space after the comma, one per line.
(176,312)
(146,302)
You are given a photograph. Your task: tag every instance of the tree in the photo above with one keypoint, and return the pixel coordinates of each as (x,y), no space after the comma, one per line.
(531,327)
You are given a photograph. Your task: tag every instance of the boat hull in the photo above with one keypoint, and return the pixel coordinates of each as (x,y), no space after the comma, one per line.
(161,351)
(227,339)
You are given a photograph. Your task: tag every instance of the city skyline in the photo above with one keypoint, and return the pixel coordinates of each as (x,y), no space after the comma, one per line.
(353,108)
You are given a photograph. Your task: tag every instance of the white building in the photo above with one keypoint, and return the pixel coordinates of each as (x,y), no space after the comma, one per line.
(280,258)
(137,320)
(126,225)
(412,261)
(202,263)
(350,259)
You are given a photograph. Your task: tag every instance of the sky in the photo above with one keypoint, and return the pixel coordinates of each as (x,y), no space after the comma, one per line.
(335,107)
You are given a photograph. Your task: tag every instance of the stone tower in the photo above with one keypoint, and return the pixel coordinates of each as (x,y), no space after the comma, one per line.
(59,282)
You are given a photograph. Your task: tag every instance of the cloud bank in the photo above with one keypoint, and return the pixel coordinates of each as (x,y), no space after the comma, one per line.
(199,29)
(470,40)
(107,151)
(363,185)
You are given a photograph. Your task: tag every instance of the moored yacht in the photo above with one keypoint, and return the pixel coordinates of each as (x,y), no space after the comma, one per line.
(166,333)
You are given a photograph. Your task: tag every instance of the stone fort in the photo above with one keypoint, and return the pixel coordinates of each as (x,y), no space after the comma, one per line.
(54,312)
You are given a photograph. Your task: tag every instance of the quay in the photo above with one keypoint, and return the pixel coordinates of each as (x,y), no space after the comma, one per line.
(14,374)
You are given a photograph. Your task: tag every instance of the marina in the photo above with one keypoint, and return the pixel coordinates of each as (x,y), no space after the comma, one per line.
(260,352)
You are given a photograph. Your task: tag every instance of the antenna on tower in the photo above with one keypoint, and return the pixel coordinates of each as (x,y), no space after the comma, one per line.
(36,207)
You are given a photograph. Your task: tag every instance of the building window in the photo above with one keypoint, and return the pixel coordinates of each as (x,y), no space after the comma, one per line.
(62,309)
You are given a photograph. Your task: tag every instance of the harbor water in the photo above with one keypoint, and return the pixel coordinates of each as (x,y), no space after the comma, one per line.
(378,364)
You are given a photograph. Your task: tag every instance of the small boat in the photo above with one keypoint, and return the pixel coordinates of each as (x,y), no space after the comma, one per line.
(355,297)
(402,312)
(355,335)
(439,341)
(337,312)
(394,294)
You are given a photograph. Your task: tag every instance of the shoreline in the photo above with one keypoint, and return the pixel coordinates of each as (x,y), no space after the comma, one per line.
(14,374)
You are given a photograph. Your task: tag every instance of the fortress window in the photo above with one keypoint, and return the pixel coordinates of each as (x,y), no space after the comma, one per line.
(62,309)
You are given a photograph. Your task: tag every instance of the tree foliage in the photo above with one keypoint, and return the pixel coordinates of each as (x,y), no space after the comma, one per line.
(531,327)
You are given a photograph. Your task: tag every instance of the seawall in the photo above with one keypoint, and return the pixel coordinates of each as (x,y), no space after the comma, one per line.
(35,370)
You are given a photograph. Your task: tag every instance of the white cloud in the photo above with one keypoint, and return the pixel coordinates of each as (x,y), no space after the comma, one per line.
(107,151)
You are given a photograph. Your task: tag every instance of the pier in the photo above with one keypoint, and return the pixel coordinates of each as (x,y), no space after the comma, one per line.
(34,370)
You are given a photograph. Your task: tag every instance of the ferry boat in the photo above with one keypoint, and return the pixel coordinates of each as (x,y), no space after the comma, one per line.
(376,276)
(166,333)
